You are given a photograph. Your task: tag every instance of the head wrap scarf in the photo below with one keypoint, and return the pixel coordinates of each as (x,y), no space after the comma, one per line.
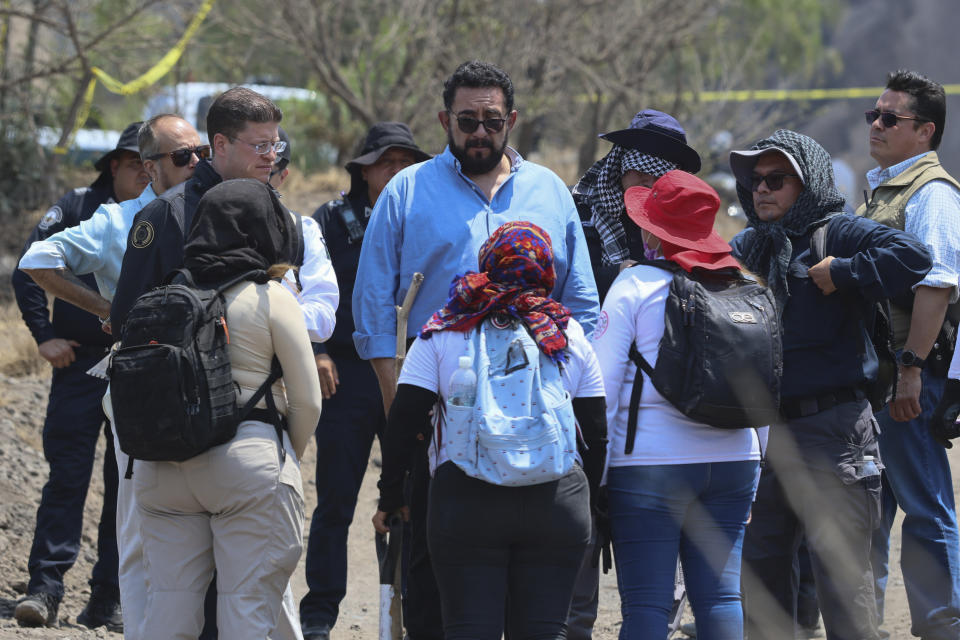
(767,246)
(601,187)
(239,226)
(516,277)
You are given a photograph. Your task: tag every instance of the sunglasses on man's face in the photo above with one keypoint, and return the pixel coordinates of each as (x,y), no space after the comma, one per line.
(774,180)
(887,118)
(469,124)
(181,157)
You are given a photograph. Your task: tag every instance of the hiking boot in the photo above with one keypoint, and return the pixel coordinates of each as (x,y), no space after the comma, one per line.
(102,610)
(37,610)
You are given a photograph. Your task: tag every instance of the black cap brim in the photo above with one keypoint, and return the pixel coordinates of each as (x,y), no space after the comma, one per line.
(657,144)
(128,142)
(372,156)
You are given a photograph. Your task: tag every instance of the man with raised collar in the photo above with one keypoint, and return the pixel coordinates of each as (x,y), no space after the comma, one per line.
(243,129)
(912,191)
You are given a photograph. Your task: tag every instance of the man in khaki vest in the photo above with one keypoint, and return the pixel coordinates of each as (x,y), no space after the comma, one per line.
(912,191)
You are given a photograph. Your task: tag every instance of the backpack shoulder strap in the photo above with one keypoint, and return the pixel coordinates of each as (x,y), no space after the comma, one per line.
(300,243)
(642,367)
(301,251)
(264,391)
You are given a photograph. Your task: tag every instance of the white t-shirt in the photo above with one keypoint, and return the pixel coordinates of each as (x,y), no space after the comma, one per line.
(633,311)
(430,363)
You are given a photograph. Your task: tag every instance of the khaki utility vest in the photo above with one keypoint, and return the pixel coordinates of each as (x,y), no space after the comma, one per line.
(887,204)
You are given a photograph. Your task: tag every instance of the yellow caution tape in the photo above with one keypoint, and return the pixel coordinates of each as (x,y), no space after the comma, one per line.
(136,85)
(781,95)
(82,114)
(162,67)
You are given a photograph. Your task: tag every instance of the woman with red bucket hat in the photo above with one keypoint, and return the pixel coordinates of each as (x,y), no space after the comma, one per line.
(678,486)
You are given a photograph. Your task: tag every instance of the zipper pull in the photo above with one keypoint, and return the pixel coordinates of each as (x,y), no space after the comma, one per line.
(222,321)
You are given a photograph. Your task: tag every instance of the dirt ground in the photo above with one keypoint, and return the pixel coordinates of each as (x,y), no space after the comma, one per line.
(23,472)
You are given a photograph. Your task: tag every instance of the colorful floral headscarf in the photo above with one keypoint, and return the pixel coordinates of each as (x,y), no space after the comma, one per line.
(516,278)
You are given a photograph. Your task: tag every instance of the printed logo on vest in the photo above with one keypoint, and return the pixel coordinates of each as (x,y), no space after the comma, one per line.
(51,217)
(142,235)
(743,317)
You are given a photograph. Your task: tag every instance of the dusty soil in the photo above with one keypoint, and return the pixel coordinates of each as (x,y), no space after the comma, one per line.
(23,472)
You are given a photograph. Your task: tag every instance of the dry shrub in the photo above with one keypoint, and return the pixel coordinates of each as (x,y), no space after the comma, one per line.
(304,193)
(18,351)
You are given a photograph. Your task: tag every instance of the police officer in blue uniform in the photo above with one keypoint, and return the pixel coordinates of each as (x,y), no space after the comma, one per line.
(72,341)
(352,406)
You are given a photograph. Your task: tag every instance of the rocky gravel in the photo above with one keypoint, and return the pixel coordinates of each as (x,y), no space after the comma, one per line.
(23,472)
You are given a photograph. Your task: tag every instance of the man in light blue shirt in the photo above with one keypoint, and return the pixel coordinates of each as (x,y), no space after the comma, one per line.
(97,244)
(170,148)
(432,218)
(910,190)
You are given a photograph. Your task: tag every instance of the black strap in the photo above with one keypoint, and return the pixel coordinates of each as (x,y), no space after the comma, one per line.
(272,415)
(301,252)
(642,367)
(349,219)
(264,391)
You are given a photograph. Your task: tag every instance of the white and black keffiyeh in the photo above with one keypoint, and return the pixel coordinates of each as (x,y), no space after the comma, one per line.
(600,186)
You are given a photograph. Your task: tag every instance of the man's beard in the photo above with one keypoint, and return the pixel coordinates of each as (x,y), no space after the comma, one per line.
(471,165)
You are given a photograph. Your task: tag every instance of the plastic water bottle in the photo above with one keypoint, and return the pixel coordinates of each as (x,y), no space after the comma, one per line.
(869,467)
(463,384)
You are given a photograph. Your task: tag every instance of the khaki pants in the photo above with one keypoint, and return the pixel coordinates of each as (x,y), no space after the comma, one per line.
(236,508)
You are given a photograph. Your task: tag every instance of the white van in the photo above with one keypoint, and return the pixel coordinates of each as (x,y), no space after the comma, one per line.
(192,99)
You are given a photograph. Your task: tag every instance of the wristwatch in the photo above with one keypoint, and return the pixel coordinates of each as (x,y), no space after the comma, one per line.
(909,358)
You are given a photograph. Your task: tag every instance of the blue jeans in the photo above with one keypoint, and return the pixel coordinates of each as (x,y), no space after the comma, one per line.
(918,480)
(698,511)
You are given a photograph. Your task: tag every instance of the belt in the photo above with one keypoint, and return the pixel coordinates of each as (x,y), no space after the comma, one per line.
(793,408)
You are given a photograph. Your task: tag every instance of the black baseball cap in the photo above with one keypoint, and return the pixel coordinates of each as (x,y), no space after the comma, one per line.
(127,142)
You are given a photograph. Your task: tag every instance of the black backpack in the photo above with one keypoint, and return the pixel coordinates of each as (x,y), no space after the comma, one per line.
(879,326)
(171,383)
(720,360)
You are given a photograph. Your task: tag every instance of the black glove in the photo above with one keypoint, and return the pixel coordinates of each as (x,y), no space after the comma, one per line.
(943,423)
(601,518)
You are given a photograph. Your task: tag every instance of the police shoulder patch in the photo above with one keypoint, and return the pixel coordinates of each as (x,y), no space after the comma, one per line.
(142,235)
(51,217)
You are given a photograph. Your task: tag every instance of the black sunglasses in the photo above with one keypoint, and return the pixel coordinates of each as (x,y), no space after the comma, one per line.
(181,157)
(888,118)
(469,124)
(774,180)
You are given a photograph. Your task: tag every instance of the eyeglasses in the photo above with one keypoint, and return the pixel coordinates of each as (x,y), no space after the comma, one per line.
(774,180)
(263,148)
(181,157)
(888,118)
(469,124)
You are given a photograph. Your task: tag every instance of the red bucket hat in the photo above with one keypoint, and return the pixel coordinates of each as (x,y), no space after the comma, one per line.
(679,209)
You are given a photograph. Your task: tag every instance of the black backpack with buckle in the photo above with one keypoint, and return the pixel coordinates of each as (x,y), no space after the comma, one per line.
(171,383)
(720,359)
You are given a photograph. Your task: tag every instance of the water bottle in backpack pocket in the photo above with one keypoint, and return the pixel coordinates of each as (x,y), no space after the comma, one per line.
(520,429)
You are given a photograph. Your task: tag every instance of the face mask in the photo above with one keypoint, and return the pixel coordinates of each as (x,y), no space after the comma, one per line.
(650,253)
